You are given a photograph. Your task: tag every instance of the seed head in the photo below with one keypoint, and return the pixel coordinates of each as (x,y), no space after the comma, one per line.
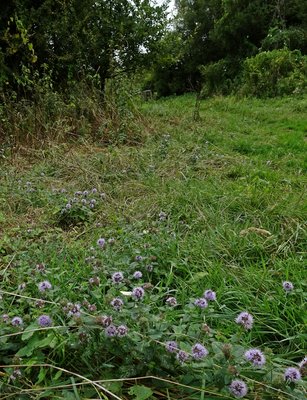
(182,356)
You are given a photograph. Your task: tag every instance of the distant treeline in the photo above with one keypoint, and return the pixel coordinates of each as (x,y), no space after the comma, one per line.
(256,47)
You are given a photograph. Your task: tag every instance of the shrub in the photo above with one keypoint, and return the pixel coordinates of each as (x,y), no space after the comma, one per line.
(275,73)
(219,77)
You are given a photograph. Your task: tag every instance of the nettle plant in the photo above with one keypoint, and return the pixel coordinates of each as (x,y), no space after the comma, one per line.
(120,322)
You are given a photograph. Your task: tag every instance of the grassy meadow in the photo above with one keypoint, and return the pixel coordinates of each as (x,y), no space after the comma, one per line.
(213,203)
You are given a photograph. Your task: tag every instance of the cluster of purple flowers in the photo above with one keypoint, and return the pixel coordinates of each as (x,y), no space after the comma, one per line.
(245,319)
(210,295)
(82,198)
(138,293)
(288,286)
(17,321)
(72,310)
(137,275)
(43,286)
(198,351)
(117,277)
(238,388)
(256,357)
(117,303)
(292,374)
(201,303)
(44,320)
(112,331)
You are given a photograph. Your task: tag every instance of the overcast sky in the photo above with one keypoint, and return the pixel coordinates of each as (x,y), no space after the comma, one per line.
(163,1)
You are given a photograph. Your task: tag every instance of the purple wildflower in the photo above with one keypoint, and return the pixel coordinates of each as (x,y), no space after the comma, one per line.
(199,351)
(171,346)
(43,286)
(83,202)
(68,206)
(117,277)
(201,303)
(92,205)
(111,331)
(16,374)
(149,267)
(138,293)
(182,356)
(94,190)
(85,193)
(101,242)
(256,357)
(210,295)
(117,303)
(245,319)
(22,286)
(17,321)
(104,320)
(288,286)
(238,388)
(137,275)
(73,310)
(171,301)
(92,307)
(122,330)
(94,281)
(292,374)
(5,318)
(44,320)
(78,193)
(138,258)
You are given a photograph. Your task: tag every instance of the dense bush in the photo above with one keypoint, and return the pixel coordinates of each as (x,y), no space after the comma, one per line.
(275,73)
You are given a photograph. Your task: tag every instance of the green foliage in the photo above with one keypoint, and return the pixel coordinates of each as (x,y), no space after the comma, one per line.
(230,187)
(218,78)
(275,73)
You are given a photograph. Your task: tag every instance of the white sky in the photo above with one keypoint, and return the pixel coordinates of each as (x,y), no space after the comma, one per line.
(163,1)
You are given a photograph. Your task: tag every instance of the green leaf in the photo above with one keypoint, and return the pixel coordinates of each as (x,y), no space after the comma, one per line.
(140,392)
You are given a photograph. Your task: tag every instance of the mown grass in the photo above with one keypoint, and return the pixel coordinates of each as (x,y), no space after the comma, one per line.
(233,187)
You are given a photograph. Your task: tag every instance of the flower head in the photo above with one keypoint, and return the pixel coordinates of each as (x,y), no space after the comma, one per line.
(17,321)
(255,356)
(122,330)
(137,275)
(182,356)
(171,346)
(288,286)
(138,293)
(44,320)
(43,286)
(117,277)
(138,258)
(171,301)
(111,331)
(104,320)
(292,374)
(238,388)
(201,303)
(199,351)
(210,295)
(117,303)
(73,310)
(101,242)
(245,319)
